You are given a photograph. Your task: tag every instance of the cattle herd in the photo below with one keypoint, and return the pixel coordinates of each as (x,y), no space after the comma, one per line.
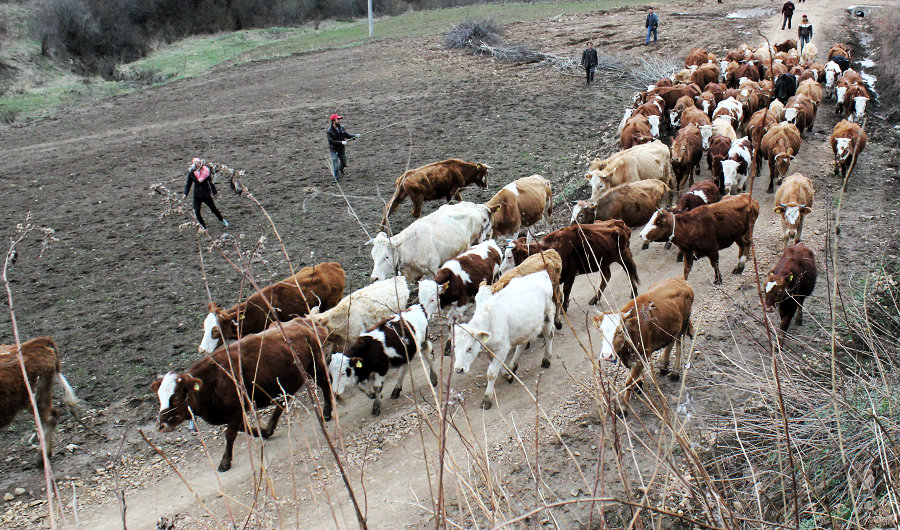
(302,327)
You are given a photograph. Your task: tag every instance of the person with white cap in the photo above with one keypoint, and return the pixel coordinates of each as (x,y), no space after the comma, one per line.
(198,177)
(337,139)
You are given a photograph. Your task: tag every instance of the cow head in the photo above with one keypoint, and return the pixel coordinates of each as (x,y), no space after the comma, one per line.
(841,92)
(730,172)
(584,212)
(792,216)
(705,134)
(509,259)
(778,287)
(783,162)
(385,258)
(177,397)
(831,71)
(674,118)
(467,345)
(654,127)
(481,173)
(841,148)
(342,370)
(659,227)
(612,328)
(790,115)
(429,295)
(859,107)
(217,326)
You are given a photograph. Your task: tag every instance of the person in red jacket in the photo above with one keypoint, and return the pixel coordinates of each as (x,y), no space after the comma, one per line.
(788,11)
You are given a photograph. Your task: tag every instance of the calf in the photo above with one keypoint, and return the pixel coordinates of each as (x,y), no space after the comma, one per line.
(785,87)
(456,282)
(700,193)
(705,74)
(319,286)
(583,249)
(438,180)
(749,98)
(659,318)
(635,132)
(732,109)
(705,230)
(736,168)
(855,101)
(514,316)
(790,282)
(800,111)
(812,90)
(520,204)
(706,102)
(847,140)
(653,111)
(391,343)
(41,358)
(687,151)
(362,309)
(260,368)
(747,70)
(758,125)
(719,146)
(793,201)
(698,118)
(696,57)
(633,203)
(779,146)
(684,102)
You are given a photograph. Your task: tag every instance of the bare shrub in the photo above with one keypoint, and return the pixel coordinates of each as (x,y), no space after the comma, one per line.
(473,34)
(652,69)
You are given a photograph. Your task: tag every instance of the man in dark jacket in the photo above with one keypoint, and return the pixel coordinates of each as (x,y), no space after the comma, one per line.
(589,61)
(788,11)
(200,178)
(337,139)
(651,23)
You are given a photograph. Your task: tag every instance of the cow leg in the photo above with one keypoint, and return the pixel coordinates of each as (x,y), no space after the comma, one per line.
(800,310)
(417,206)
(664,359)
(428,355)
(743,252)
(680,257)
(231,432)
(513,365)
(493,370)
(49,415)
(567,288)
(379,387)
(714,261)
(645,245)
(324,384)
(605,272)
(273,422)
(399,386)
(548,345)
(688,263)
(630,381)
(771,188)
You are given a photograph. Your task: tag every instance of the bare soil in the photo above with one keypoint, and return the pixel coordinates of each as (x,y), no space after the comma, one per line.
(122,292)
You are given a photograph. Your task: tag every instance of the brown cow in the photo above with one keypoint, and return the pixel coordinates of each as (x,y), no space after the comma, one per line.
(438,180)
(786,46)
(687,151)
(633,203)
(758,125)
(271,365)
(812,90)
(779,146)
(717,89)
(41,358)
(320,285)
(750,103)
(847,141)
(745,70)
(635,132)
(790,282)
(793,201)
(705,192)
(706,102)
(839,49)
(800,111)
(659,318)
(855,100)
(684,102)
(670,95)
(719,146)
(520,204)
(707,73)
(583,249)
(705,230)
(652,110)
(696,57)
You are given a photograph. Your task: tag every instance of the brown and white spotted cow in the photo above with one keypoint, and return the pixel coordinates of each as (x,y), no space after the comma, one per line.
(793,201)
(790,282)
(438,180)
(520,204)
(456,283)
(41,358)
(659,318)
(321,285)
(271,365)
(847,140)
(705,230)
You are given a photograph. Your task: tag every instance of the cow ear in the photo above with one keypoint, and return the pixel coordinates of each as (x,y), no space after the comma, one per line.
(356,362)
(779,209)
(791,278)
(444,287)
(483,336)
(212,307)
(192,382)
(493,208)
(154,386)
(805,210)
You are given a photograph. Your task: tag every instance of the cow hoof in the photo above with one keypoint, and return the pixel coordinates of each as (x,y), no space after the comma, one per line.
(558,324)
(265,434)
(668,245)
(447,348)
(434,379)
(326,416)
(396,393)
(717,281)
(376,409)
(593,301)
(224,465)
(487,403)
(738,270)
(679,258)
(771,189)
(645,246)
(545,363)
(664,371)
(674,377)
(509,377)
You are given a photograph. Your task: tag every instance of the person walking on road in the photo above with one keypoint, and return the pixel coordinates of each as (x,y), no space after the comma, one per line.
(788,11)
(589,62)
(198,177)
(804,32)
(651,23)
(337,140)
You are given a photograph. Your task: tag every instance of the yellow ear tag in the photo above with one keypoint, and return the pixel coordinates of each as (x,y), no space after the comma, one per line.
(359,364)
(791,278)
(196,387)
(242,317)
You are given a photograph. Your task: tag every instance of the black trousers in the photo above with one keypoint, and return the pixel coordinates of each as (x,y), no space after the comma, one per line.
(787,20)
(212,207)
(589,74)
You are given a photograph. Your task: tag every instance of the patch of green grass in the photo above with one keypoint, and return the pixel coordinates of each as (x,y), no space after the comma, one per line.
(197,55)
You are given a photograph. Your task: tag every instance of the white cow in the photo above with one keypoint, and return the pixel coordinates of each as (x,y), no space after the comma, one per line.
(832,71)
(363,308)
(428,242)
(514,316)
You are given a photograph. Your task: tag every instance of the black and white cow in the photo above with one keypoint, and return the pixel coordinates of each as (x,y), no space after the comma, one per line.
(393,342)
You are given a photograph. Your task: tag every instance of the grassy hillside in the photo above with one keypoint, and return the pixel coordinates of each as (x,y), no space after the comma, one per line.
(32,86)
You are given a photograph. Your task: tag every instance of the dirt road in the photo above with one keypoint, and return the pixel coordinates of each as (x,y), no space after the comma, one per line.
(126,290)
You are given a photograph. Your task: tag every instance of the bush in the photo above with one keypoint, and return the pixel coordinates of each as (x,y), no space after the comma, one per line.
(472,34)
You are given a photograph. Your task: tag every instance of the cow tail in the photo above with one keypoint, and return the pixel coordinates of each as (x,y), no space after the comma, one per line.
(628,260)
